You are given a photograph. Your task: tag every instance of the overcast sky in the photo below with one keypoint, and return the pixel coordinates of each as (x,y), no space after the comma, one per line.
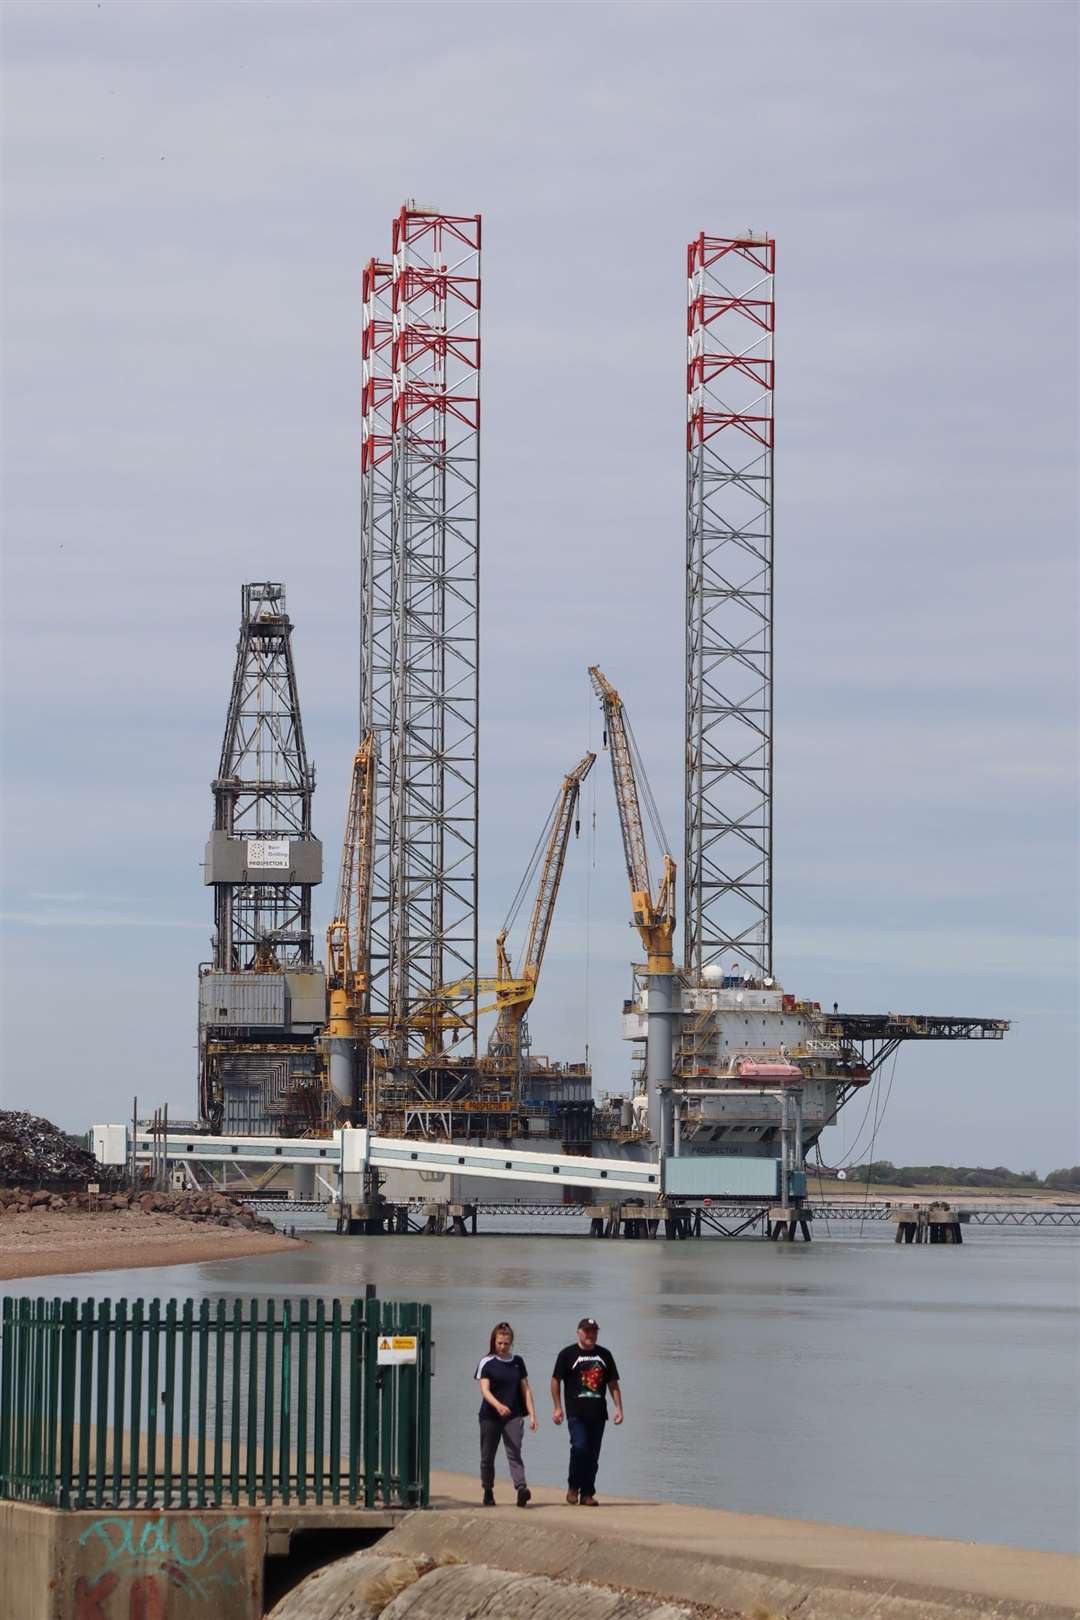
(189,194)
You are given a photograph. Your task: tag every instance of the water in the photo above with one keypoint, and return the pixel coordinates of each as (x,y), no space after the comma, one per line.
(930,1390)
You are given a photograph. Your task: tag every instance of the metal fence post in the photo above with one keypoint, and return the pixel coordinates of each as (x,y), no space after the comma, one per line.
(119,1392)
(335,1402)
(356,1396)
(372,1319)
(425,1371)
(138,1328)
(86,1389)
(268,1406)
(320,1396)
(187,1324)
(169,1399)
(68,1346)
(53,1410)
(303,1355)
(285,1406)
(7,1394)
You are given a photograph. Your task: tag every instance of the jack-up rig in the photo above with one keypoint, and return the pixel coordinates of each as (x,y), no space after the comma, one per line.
(736,1079)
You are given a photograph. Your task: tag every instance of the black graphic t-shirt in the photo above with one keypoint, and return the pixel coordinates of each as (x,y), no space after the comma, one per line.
(504,1374)
(586,1375)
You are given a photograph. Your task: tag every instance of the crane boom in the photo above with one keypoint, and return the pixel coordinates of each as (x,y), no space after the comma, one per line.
(653,918)
(626,793)
(347,935)
(554,861)
(514,994)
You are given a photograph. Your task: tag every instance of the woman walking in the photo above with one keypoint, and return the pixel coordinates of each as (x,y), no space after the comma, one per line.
(507,1400)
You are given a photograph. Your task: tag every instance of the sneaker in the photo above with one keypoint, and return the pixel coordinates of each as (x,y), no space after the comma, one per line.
(589,1501)
(524,1496)
(489,1499)
(572,1497)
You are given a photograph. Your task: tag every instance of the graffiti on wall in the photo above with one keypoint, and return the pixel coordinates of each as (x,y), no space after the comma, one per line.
(141,1558)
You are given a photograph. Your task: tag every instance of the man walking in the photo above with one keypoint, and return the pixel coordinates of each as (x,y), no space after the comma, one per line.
(586,1371)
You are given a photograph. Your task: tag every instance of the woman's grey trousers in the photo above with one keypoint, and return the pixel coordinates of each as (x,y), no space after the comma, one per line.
(510,1432)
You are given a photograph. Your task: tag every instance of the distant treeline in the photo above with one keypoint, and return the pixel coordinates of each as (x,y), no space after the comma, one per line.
(886,1173)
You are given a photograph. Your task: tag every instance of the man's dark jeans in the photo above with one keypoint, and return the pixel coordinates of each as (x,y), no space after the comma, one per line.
(586,1439)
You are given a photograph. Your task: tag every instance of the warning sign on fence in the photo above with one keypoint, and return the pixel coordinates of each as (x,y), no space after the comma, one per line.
(398,1350)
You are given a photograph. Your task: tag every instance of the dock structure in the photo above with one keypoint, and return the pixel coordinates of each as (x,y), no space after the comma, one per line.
(650,1202)
(930,1223)
(785,1224)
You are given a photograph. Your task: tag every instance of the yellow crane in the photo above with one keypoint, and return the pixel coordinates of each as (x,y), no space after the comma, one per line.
(347,935)
(514,993)
(653,918)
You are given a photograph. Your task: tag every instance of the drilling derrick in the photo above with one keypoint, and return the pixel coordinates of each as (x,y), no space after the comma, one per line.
(729,602)
(262,1000)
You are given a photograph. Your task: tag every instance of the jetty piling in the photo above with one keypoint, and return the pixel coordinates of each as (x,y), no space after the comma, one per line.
(934,1223)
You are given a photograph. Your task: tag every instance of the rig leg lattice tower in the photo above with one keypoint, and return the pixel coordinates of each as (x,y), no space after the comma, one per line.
(729,602)
(378,577)
(434,747)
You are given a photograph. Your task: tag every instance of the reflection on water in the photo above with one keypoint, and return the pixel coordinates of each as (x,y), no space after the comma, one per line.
(931,1390)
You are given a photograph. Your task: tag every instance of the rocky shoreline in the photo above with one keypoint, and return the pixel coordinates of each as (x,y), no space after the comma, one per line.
(43,1233)
(51,1225)
(203,1208)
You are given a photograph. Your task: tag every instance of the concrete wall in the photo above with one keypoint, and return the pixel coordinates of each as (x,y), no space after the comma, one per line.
(370,1587)
(111,1564)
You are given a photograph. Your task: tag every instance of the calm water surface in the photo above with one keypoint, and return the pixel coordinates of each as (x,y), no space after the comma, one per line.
(931,1390)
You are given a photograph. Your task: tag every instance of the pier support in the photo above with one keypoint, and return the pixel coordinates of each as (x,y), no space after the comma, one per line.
(457,1220)
(626,1221)
(462,1219)
(369,1217)
(681,1223)
(783,1224)
(937,1223)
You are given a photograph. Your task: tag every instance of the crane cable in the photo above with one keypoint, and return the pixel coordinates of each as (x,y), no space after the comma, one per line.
(844,1162)
(821,1187)
(651,809)
(879,1120)
(526,884)
(589,865)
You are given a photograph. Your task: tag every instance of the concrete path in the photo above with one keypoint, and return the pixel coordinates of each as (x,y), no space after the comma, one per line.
(949,1576)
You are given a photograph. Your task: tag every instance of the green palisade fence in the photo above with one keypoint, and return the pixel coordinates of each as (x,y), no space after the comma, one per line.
(196,1404)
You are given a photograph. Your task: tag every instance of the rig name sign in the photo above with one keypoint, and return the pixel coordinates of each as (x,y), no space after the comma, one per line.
(268,853)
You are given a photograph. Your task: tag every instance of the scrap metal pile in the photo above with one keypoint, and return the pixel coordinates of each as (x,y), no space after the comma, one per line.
(35,1153)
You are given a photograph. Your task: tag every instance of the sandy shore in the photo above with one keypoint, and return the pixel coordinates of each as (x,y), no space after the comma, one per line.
(49,1243)
(855,1193)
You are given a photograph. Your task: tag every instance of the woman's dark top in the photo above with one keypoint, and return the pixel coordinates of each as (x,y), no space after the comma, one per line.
(504,1374)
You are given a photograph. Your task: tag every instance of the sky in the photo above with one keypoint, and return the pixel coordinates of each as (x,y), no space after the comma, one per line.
(189,193)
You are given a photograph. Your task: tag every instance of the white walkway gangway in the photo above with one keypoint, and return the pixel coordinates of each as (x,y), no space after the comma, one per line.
(349,1153)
